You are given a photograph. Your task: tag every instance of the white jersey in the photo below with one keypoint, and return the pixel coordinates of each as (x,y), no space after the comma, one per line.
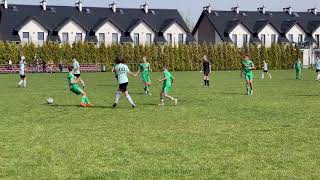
(318,64)
(122,71)
(22,68)
(265,67)
(76,67)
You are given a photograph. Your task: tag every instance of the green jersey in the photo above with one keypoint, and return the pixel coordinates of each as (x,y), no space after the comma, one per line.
(71,79)
(247,64)
(298,65)
(122,71)
(145,68)
(168,77)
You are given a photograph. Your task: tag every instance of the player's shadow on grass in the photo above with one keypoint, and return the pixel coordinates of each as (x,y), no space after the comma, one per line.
(71,105)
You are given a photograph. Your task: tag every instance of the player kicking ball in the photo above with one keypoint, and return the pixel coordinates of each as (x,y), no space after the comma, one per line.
(76,89)
(122,71)
(167,83)
(247,67)
(145,70)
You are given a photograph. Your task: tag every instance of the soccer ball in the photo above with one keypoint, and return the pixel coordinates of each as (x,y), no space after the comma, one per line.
(50,101)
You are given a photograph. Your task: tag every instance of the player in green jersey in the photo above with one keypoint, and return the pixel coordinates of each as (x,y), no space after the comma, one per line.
(247,67)
(298,68)
(122,71)
(145,70)
(76,89)
(167,84)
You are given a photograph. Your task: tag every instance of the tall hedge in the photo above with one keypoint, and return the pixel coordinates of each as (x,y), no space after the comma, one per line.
(182,58)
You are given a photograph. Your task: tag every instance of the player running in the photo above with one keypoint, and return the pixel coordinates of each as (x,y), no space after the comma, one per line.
(145,70)
(167,83)
(206,71)
(76,89)
(122,71)
(265,70)
(76,68)
(247,67)
(22,73)
(298,68)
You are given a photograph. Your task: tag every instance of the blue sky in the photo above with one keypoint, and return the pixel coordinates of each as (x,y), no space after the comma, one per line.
(190,8)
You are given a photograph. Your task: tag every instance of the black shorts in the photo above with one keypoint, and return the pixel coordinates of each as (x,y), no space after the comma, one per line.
(22,76)
(77,75)
(206,73)
(123,87)
(265,71)
(318,70)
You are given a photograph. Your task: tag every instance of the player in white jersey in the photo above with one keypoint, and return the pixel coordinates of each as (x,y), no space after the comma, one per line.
(318,68)
(265,70)
(22,73)
(122,71)
(76,68)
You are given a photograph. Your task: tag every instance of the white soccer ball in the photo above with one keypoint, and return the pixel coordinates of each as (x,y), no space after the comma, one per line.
(50,101)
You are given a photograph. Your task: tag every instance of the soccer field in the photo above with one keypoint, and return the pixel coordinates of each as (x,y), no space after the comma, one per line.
(215,132)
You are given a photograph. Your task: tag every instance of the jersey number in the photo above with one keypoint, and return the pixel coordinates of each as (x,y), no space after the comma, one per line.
(122,70)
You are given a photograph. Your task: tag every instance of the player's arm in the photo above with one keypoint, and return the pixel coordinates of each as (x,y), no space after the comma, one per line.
(210,68)
(138,72)
(253,67)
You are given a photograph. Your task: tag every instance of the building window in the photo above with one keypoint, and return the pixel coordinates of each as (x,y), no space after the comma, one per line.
(26,37)
(245,39)
(148,39)
(181,38)
(273,38)
(169,38)
(300,38)
(65,38)
(40,38)
(318,39)
(115,38)
(102,38)
(136,41)
(263,39)
(291,38)
(235,39)
(78,37)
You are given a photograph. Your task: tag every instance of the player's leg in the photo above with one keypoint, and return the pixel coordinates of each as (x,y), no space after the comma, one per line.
(262,75)
(166,94)
(148,83)
(126,93)
(24,82)
(117,98)
(251,86)
(318,78)
(205,79)
(21,81)
(269,75)
(162,97)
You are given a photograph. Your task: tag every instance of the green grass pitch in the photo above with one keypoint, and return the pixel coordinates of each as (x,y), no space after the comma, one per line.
(213,133)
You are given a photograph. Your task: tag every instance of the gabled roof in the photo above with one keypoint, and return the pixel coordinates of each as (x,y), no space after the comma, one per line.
(168,23)
(91,17)
(104,21)
(60,26)
(223,21)
(136,22)
(233,24)
(27,20)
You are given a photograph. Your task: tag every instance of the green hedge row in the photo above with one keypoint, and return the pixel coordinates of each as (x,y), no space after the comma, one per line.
(182,58)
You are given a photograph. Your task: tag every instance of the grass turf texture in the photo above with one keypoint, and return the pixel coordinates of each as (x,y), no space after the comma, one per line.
(216,132)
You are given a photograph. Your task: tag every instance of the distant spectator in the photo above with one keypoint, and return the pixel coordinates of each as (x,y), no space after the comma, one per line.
(44,66)
(50,66)
(61,66)
(10,65)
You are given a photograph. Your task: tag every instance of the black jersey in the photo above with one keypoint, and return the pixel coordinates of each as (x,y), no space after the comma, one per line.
(206,66)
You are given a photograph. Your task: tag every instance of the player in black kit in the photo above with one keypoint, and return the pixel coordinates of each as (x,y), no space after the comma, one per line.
(206,71)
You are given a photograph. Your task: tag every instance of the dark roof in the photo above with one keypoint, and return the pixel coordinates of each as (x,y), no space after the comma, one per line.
(255,39)
(190,38)
(67,20)
(28,19)
(310,39)
(54,17)
(254,21)
(91,39)
(160,39)
(126,39)
(135,22)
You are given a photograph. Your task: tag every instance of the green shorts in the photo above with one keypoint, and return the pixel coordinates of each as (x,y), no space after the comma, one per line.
(146,78)
(166,89)
(76,89)
(248,76)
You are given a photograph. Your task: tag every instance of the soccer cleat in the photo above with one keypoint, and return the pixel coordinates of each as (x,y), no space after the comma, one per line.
(83,104)
(114,105)
(134,106)
(175,102)
(251,92)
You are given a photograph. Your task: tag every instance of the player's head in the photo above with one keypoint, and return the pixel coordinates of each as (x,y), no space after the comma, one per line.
(23,58)
(205,57)
(246,57)
(122,60)
(74,59)
(70,68)
(144,58)
(165,67)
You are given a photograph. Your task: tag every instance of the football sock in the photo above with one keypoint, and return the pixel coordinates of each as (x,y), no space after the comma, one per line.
(208,82)
(83,99)
(118,95)
(20,83)
(205,82)
(87,100)
(25,83)
(130,100)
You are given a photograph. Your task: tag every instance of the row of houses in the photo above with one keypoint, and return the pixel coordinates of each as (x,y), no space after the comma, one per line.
(145,26)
